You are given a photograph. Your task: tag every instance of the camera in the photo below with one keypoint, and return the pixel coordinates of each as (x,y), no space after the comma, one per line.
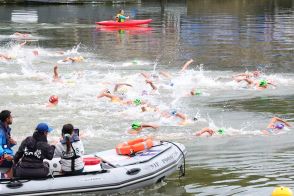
(77,132)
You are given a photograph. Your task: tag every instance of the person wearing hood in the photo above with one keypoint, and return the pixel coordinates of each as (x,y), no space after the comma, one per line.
(31,153)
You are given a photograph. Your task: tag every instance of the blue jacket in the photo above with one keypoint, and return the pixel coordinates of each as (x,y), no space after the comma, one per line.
(5,146)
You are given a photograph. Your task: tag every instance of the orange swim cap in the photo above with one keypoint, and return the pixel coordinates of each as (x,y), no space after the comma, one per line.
(53,99)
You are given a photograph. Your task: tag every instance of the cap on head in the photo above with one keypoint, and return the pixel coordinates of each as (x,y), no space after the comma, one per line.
(197,92)
(136,125)
(221,131)
(279,126)
(173,112)
(43,127)
(263,83)
(137,102)
(53,99)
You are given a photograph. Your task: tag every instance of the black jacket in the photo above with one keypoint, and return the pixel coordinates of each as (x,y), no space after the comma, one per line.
(33,150)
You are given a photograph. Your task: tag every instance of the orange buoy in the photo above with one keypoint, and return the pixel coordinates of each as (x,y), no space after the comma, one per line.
(133,146)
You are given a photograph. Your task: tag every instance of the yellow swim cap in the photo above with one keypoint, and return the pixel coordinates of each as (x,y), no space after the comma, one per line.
(282,191)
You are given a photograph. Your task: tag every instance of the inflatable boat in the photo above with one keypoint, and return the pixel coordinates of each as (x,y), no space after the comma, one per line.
(124,24)
(105,172)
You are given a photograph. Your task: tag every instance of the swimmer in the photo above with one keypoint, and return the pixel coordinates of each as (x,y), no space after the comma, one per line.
(5,57)
(254,74)
(119,99)
(261,84)
(113,98)
(175,113)
(210,131)
(137,126)
(194,92)
(275,125)
(73,59)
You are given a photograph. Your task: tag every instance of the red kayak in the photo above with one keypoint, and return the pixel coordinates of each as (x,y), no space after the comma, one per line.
(124,24)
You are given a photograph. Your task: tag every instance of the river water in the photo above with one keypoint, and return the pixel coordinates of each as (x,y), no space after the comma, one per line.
(223,37)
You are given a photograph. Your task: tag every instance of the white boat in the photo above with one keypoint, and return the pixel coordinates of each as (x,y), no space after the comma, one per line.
(115,173)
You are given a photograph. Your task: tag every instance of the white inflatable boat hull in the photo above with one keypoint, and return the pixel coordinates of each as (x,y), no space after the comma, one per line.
(117,173)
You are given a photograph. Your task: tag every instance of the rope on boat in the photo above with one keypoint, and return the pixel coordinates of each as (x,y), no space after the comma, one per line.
(182,169)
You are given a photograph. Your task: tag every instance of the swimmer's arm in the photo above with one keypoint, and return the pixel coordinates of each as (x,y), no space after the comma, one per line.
(5,56)
(272,84)
(281,120)
(151,84)
(181,116)
(205,130)
(242,74)
(249,81)
(145,75)
(165,74)
(186,65)
(55,76)
(120,84)
(154,126)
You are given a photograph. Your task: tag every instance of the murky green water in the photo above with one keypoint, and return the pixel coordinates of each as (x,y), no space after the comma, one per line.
(227,37)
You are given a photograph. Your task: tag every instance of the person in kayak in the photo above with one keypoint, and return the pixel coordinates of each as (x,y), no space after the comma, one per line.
(210,132)
(120,17)
(6,141)
(70,149)
(31,153)
(275,125)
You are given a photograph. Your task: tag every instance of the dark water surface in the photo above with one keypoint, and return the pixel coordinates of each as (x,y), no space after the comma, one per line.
(226,36)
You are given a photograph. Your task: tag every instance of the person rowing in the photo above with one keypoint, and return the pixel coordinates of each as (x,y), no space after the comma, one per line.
(120,17)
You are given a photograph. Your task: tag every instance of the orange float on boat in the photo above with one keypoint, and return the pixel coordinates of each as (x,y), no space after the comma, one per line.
(133,146)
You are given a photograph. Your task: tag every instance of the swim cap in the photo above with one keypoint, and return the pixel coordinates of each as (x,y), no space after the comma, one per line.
(136,125)
(137,102)
(173,112)
(263,83)
(53,99)
(279,126)
(221,131)
(197,92)
(282,191)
